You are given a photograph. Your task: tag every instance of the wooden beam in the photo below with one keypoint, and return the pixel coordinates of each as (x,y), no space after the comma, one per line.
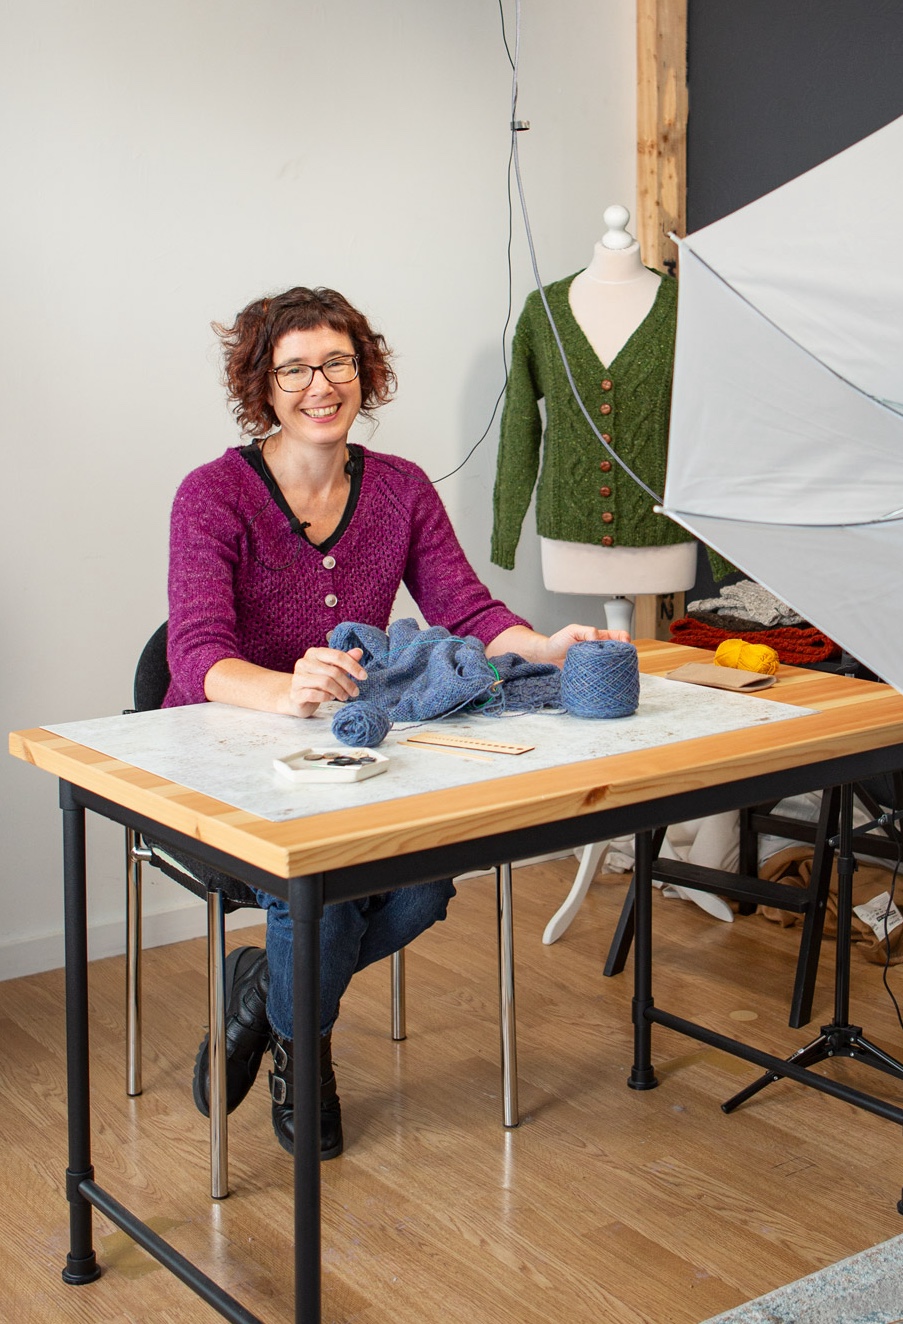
(661,127)
(661,190)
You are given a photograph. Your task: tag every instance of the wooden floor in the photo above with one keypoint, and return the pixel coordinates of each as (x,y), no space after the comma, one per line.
(605,1207)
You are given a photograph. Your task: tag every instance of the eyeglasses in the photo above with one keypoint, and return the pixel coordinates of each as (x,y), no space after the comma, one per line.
(298,376)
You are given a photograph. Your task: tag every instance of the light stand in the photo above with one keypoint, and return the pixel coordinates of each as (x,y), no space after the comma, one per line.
(840,1038)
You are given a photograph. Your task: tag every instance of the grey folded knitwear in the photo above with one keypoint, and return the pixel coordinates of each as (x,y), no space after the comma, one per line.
(748,600)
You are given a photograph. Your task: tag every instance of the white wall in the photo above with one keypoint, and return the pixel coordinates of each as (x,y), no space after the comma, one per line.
(162,165)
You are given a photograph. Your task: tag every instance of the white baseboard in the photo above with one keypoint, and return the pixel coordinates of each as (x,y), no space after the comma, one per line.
(31,956)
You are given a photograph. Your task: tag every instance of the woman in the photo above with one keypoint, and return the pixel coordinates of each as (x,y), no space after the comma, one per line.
(273,545)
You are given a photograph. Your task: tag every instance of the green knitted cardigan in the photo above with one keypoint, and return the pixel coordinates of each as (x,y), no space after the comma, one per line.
(574,492)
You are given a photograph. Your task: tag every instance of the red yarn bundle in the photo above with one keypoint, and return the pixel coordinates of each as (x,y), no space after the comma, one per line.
(795,645)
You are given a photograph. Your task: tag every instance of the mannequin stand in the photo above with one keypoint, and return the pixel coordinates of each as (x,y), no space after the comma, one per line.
(646,616)
(653,614)
(840,1038)
(619,614)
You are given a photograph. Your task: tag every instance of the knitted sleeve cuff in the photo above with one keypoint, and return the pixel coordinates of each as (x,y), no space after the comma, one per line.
(501,553)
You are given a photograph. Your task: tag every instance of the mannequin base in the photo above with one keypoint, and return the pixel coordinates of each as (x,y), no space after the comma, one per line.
(619,614)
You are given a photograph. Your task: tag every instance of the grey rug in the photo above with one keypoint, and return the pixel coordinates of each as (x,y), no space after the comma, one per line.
(865,1289)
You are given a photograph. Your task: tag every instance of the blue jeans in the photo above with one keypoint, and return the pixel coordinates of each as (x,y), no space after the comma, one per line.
(353,934)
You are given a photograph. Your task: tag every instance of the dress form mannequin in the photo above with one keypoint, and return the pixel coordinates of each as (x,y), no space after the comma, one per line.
(609,300)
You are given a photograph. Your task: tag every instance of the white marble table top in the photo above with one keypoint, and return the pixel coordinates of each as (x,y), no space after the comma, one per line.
(227,753)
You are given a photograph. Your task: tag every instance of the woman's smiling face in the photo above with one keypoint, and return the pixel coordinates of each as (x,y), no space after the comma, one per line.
(321,414)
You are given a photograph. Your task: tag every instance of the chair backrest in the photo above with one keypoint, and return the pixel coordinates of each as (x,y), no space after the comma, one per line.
(151,684)
(887,789)
(152,673)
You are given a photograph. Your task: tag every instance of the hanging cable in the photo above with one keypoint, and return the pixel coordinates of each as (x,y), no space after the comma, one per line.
(516,127)
(501,395)
(892,827)
(538,279)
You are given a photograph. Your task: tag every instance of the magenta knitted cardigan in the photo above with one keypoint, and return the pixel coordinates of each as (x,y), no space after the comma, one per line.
(241,584)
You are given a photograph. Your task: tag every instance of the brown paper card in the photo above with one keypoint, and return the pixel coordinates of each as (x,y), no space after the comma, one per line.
(721,678)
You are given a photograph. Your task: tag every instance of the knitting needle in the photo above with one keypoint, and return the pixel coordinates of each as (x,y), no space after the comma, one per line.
(455,753)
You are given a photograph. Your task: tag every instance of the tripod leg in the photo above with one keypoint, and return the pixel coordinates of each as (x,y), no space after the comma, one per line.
(803,1057)
(859,1047)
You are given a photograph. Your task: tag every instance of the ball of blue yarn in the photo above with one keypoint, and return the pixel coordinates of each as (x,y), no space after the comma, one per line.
(361,723)
(601,678)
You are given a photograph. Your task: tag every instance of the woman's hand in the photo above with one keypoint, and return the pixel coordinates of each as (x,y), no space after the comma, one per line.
(548,648)
(320,675)
(324,674)
(558,644)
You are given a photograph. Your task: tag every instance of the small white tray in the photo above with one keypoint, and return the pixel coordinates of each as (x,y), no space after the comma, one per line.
(314,765)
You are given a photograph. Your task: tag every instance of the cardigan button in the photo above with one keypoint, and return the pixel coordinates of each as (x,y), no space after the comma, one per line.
(607,517)
(605,409)
(604,491)
(606,385)
(605,466)
(329,562)
(608,542)
(330,599)
(606,437)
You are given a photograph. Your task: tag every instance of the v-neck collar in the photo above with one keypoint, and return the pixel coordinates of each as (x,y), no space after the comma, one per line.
(355,468)
(576,330)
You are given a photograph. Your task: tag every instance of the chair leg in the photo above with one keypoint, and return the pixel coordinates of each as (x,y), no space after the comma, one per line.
(814,921)
(507,1025)
(399,1011)
(622,939)
(135,855)
(216,997)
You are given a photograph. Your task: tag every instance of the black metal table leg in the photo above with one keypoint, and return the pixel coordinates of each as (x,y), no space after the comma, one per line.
(814,922)
(306,905)
(81,1261)
(642,1075)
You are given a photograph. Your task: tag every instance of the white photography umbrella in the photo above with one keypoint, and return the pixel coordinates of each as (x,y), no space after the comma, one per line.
(786,442)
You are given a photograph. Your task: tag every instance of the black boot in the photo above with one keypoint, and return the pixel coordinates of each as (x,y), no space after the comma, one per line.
(247,1029)
(283,1094)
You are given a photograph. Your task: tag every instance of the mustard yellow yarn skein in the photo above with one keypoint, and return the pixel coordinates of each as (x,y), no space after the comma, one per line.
(746,657)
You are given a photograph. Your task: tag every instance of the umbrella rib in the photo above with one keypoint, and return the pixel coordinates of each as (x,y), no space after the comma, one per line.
(894,517)
(781,332)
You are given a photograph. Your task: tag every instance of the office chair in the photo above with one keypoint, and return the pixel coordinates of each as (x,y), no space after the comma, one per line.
(224,894)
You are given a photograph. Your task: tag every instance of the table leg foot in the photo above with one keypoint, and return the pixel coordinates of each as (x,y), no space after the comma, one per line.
(644,1079)
(85,1270)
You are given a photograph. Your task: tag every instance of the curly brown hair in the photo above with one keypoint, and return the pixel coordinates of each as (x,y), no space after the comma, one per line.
(248,350)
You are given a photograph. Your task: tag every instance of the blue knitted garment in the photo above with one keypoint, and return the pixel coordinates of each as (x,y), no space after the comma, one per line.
(416,675)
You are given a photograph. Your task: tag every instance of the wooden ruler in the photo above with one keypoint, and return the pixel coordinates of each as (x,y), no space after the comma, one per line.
(465,742)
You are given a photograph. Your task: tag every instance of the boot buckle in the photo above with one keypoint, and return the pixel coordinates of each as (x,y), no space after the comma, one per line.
(277,1089)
